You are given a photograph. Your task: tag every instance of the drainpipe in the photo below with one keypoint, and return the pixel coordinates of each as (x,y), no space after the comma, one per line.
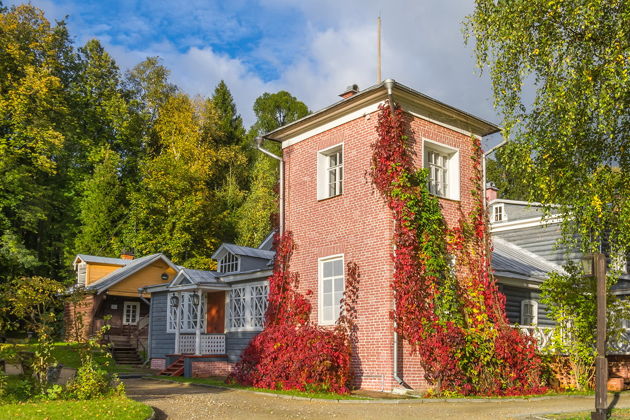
(259,142)
(483,170)
(389,85)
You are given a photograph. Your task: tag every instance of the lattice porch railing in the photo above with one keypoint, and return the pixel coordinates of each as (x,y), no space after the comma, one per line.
(210,343)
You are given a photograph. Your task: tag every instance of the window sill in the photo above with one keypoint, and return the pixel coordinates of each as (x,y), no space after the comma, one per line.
(454,200)
(329,198)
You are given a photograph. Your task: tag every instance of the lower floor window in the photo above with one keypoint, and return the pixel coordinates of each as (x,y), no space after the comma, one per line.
(184,303)
(247,306)
(529,312)
(131,313)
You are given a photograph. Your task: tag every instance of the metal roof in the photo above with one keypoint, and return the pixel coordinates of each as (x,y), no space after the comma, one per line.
(200,276)
(244,251)
(123,272)
(101,260)
(485,127)
(510,259)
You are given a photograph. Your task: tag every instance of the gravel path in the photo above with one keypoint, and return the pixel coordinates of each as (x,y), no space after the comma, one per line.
(181,401)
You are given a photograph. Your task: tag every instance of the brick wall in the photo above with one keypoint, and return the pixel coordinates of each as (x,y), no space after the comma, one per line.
(78,318)
(358,225)
(207,369)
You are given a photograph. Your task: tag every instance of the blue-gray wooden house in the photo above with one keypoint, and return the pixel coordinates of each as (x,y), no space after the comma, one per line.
(204,318)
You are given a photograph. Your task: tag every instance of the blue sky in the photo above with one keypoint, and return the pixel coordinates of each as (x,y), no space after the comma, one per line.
(313,49)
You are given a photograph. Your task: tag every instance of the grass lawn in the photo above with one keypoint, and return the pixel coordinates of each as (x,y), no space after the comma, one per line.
(220,382)
(119,408)
(68,355)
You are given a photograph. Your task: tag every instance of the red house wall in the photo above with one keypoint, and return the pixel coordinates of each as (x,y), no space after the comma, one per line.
(359,225)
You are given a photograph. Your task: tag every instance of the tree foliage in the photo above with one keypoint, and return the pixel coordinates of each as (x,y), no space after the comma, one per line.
(258,214)
(571,143)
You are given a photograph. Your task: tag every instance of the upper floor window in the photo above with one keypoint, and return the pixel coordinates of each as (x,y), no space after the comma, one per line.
(228,264)
(247,306)
(443,165)
(498,213)
(330,172)
(331,288)
(529,312)
(81,273)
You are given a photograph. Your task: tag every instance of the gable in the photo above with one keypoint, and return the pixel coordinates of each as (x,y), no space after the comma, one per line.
(146,276)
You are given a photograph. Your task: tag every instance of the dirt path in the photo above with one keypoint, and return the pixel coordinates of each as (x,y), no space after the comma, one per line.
(176,401)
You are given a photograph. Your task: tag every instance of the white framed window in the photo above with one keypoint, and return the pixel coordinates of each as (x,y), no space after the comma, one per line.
(81,273)
(529,312)
(619,262)
(229,263)
(131,313)
(498,213)
(331,287)
(187,312)
(247,305)
(442,163)
(330,172)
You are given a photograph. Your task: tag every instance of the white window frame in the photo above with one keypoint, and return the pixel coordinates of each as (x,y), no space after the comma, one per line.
(534,305)
(452,167)
(235,262)
(502,213)
(188,316)
(320,289)
(254,306)
(81,273)
(124,314)
(324,169)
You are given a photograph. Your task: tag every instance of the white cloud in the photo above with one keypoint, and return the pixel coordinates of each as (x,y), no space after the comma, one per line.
(422,48)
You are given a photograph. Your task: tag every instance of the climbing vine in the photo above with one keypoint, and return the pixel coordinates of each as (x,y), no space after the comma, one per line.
(291,353)
(448,306)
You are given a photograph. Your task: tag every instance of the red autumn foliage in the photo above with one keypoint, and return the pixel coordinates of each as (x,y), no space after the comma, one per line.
(459,330)
(290,353)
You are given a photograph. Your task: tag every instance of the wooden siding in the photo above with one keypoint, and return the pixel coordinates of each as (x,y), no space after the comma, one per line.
(513,298)
(146,277)
(162,343)
(251,263)
(236,341)
(541,240)
(96,271)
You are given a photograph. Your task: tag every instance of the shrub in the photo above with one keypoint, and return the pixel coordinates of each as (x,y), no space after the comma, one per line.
(290,353)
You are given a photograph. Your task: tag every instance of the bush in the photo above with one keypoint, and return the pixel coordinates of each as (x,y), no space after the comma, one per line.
(306,358)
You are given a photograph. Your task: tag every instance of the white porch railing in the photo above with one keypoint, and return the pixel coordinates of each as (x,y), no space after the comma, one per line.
(210,343)
(543,335)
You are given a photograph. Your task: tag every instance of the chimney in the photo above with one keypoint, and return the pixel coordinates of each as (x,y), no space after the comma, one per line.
(350,91)
(492,192)
(126,255)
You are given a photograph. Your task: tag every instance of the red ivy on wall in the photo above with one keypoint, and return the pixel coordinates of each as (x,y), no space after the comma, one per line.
(453,317)
(291,353)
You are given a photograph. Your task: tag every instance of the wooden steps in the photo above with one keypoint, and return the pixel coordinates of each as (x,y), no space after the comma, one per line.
(124,353)
(174,369)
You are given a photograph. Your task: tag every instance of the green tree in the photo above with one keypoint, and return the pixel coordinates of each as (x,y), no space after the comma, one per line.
(179,206)
(103,207)
(510,185)
(35,142)
(570,143)
(256,217)
(230,123)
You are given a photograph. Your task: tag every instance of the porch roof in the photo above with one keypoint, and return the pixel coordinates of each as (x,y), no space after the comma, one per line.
(510,260)
(244,251)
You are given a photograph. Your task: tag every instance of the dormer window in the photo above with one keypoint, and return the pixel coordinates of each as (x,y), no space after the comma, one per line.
(228,264)
(498,213)
(81,273)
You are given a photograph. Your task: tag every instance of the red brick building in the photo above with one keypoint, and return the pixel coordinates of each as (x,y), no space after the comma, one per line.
(336,215)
